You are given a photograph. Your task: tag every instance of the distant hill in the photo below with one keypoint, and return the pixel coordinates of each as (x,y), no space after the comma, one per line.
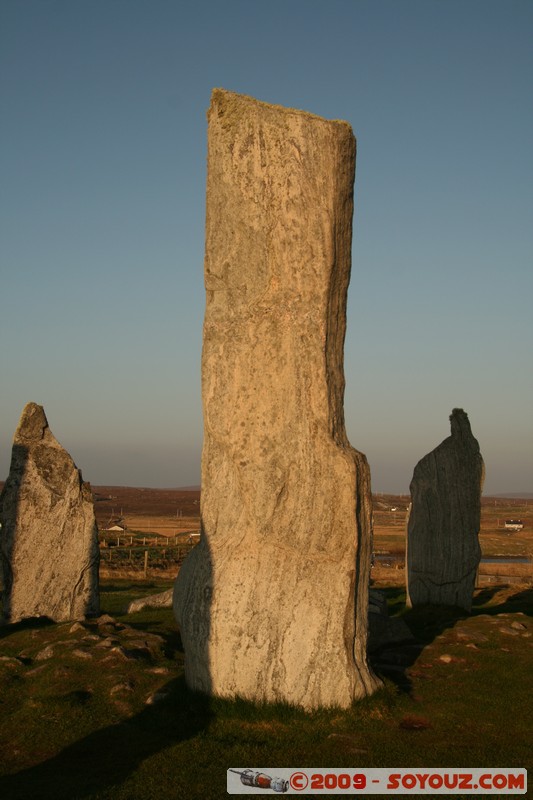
(514,495)
(380,497)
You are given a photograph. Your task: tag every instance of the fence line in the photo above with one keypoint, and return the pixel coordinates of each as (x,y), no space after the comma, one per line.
(141,539)
(140,559)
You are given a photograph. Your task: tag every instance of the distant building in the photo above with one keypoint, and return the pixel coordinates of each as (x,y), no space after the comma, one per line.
(116,525)
(513,524)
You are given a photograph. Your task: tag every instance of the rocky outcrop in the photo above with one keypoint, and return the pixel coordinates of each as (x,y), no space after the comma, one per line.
(160,600)
(272,604)
(443,551)
(49,540)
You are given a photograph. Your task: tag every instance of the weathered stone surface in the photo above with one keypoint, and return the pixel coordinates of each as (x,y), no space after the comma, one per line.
(272,604)
(49,539)
(443,551)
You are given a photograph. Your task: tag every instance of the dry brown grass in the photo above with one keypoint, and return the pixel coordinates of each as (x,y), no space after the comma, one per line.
(495,540)
(165,526)
(171,512)
(152,511)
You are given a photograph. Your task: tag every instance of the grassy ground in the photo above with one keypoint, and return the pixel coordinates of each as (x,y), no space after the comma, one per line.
(102,711)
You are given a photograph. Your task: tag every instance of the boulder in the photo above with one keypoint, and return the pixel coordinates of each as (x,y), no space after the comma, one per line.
(443,551)
(161,600)
(272,604)
(49,540)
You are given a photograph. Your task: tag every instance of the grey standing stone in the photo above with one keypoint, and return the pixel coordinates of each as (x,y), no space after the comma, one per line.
(443,551)
(272,604)
(49,540)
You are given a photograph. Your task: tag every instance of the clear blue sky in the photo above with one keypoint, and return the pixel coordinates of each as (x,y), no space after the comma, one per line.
(102,204)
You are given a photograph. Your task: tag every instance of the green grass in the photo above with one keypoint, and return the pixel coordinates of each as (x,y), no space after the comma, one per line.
(65,735)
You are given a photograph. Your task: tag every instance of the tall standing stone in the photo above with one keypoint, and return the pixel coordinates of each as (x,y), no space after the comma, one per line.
(443,551)
(49,540)
(272,604)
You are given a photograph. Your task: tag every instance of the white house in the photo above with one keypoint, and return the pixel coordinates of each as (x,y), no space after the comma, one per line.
(513,524)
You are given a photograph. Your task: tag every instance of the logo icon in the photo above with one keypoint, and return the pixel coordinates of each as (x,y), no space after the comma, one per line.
(258,779)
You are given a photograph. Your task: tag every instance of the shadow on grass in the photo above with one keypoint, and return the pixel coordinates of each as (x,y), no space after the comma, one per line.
(521,601)
(485,595)
(106,758)
(428,622)
(25,625)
